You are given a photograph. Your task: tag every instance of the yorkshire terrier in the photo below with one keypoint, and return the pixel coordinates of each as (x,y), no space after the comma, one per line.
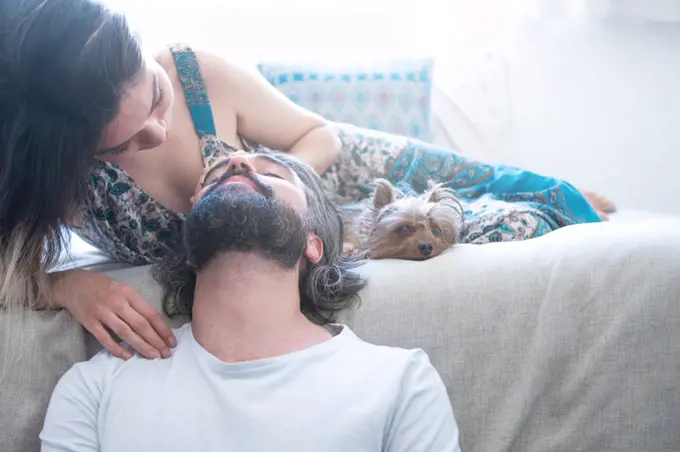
(394,226)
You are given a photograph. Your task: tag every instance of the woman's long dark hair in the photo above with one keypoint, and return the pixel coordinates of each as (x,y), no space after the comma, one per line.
(64,66)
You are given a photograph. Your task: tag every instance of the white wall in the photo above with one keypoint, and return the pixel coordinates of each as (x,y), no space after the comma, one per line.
(599,104)
(592,100)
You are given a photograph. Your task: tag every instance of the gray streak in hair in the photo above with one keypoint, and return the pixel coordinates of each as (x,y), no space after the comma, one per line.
(326,288)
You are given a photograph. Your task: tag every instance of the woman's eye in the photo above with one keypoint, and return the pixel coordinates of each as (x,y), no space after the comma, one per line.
(273,175)
(436,232)
(403,230)
(159,98)
(119,150)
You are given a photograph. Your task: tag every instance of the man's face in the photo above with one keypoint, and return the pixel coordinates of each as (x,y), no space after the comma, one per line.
(248,203)
(267,176)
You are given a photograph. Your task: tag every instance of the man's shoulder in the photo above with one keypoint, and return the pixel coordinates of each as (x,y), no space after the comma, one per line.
(104,366)
(388,358)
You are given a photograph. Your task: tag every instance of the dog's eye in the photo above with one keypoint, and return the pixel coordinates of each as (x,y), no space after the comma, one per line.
(403,229)
(436,232)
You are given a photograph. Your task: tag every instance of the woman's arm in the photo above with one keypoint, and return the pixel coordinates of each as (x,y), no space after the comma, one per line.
(266,116)
(103,305)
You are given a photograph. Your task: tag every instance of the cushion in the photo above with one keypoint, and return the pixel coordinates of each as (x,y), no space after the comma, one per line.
(36,349)
(561,343)
(390,96)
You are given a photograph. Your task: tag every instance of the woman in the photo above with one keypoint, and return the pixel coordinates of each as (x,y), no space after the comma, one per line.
(76,90)
(98,137)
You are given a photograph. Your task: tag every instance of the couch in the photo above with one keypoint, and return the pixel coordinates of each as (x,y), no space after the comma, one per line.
(567,342)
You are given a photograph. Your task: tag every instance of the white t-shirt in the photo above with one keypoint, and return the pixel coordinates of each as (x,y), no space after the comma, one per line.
(338,396)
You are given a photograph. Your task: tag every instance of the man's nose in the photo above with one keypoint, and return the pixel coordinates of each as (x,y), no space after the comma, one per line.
(239,162)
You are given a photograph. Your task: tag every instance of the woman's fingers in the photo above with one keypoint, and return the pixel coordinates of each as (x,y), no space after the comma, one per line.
(125,332)
(153,317)
(143,328)
(108,308)
(104,338)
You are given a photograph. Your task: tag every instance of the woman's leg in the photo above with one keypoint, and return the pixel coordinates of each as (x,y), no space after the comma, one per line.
(492,191)
(502,202)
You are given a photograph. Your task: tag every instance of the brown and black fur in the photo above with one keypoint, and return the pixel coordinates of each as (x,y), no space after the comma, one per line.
(404,227)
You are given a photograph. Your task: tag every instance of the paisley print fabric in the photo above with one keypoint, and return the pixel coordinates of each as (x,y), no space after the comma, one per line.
(501,202)
(195,94)
(118,217)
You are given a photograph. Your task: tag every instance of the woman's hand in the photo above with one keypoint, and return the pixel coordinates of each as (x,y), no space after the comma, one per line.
(102,305)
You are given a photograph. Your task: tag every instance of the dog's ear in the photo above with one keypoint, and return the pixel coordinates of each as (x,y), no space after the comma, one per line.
(436,193)
(384,193)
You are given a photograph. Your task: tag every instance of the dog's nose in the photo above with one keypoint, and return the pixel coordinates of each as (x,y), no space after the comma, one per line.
(425,249)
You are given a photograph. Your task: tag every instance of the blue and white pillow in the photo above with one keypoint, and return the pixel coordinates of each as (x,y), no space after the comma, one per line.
(392,97)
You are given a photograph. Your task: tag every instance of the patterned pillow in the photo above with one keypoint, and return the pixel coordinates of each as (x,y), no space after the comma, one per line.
(391,97)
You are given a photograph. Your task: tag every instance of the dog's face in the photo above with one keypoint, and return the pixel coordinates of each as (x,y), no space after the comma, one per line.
(415,228)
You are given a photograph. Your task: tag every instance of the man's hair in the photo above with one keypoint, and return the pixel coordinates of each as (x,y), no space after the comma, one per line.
(326,288)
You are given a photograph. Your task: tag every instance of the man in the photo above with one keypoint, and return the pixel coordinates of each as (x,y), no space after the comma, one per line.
(261,367)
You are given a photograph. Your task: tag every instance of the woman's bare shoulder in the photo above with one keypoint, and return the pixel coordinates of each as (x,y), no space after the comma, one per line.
(219,71)
(224,73)
(165,59)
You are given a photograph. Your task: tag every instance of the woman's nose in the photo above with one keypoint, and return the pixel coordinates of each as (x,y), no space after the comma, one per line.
(153,134)
(239,162)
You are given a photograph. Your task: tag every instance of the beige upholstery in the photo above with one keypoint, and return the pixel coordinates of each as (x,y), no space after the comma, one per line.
(41,347)
(563,343)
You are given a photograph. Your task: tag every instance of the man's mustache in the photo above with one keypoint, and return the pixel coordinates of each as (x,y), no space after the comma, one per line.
(264,189)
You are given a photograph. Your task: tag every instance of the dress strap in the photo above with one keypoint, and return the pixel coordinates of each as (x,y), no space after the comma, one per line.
(195,92)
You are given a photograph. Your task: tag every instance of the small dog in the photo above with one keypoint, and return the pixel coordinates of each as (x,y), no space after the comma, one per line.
(393,226)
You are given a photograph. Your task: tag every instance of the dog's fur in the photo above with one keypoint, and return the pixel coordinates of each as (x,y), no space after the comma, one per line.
(390,225)
(394,226)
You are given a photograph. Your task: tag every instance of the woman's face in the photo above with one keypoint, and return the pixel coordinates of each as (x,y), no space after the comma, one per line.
(143,117)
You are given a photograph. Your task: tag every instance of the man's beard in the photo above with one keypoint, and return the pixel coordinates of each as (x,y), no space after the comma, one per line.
(231,218)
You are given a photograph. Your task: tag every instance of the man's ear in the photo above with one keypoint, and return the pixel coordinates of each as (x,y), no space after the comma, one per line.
(313,248)
(384,193)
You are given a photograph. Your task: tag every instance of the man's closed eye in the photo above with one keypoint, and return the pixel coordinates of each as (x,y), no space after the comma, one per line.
(273,175)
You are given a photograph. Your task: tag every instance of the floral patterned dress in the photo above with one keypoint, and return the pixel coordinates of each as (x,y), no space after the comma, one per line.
(501,202)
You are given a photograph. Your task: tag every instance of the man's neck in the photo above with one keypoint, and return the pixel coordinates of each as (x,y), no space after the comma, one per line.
(247,308)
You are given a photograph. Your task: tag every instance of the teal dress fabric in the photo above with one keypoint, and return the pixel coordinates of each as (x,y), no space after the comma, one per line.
(552,203)
(118,217)
(501,202)
(195,94)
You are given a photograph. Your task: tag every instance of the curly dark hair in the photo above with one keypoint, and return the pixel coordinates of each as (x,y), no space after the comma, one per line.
(326,288)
